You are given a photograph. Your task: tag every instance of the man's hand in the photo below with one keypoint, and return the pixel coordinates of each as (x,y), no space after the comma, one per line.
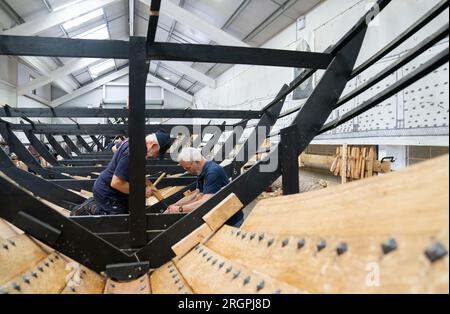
(172,209)
(148,191)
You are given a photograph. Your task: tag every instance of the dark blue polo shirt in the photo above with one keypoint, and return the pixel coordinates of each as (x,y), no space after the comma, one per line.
(212,178)
(104,194)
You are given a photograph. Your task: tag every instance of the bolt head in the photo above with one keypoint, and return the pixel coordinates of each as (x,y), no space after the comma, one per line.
(436,252)
(389,246)
(260,285)
(300,244)
(342,248)
(321,245)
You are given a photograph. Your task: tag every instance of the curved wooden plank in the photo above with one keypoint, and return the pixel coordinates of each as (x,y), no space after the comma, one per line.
(17,254)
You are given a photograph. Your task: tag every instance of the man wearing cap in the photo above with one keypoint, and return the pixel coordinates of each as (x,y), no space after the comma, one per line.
(111,189)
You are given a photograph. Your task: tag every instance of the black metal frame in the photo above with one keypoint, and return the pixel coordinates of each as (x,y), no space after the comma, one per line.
(43,223)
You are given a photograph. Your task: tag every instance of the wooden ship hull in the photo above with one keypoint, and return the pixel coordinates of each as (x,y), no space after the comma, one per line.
(387,234)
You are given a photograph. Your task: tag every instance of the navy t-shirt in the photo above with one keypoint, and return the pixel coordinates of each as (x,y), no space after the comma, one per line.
(212,178)
(104,194)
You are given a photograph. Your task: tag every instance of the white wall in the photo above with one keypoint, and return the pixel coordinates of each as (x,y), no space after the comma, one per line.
(416,116)
(8,81)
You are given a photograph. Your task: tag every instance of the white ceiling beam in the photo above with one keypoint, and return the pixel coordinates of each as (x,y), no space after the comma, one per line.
(43,69)
(191,72)
(55,18)
(170,88)
(185,17)
(86,89)
(53,76)
(131,16)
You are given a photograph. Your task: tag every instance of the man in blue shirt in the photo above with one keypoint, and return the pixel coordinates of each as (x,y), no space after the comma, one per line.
(111,189)
(211,179)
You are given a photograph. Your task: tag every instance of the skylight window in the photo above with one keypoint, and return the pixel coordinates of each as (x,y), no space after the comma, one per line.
(99,32)
(99,69)
(82,19)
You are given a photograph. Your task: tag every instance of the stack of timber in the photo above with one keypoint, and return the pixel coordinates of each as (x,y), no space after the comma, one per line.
(350,162)
(386,234)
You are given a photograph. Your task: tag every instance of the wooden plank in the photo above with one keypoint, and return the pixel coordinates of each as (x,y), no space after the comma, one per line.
(415,200)
(138,286)
(83,281)
(197,236)
(207,272)
(223,211)
(17,254)
(168,280)
(7,230)
(371,160)
(362,268)
(47,277)
(165,193)
(344,164)
(363,162)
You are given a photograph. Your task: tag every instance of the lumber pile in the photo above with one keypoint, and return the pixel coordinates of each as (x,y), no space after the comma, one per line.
(349,162)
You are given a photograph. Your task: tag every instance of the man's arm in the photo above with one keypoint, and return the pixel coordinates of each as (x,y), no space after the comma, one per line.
(120,185)
(202,198)
(124,186)
(195,202)
(188,199)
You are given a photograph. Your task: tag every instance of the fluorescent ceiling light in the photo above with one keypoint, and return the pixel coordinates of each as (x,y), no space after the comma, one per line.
(99,32)
(99,69)
(83,19)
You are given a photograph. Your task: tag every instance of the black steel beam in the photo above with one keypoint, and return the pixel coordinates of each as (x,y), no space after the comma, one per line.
(74,184)
(264,125)
(57,147)
(24,155)
(84,162)
(100,129)
(97,142)
(121,240)
(137,148)
(88,184)
(41,148)
(423,46)
(63,47)
(411,78)
(410,31)
(289,161)
(43,188)
(334,49)
(187,113)
(71,145)
(73,241)
(83,143)
(119,223)
(238,55)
